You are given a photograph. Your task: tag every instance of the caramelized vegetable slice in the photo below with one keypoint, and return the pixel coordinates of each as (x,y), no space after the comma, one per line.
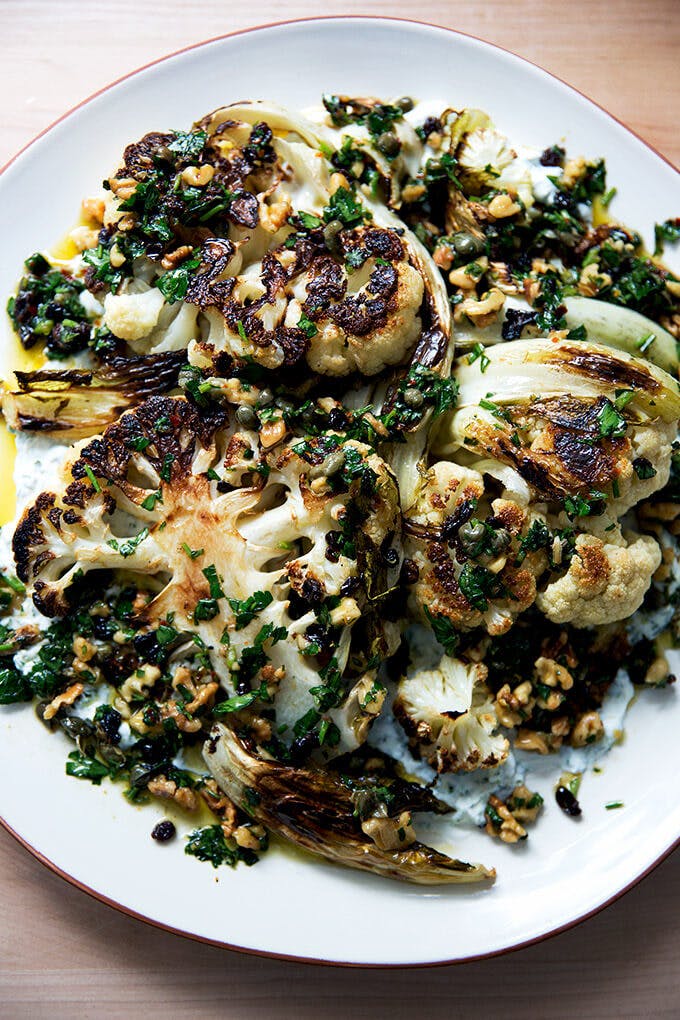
(77,403)
(330,814)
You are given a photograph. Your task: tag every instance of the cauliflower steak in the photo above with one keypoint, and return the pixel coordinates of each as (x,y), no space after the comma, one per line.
(275,559)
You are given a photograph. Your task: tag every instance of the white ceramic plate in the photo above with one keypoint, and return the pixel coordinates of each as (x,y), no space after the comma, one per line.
(291,905)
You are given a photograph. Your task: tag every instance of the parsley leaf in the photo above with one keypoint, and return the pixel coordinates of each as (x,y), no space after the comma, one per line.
(246,610)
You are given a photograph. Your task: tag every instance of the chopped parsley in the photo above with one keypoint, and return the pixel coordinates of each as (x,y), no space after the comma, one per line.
(478,354)
(246,610)
(209,844)
(343,206)
(83,767)
(444,631)
(612,424)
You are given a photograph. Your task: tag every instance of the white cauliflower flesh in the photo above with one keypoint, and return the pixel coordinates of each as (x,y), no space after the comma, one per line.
(133,316)
(604,583)
(271,557)
(448,715)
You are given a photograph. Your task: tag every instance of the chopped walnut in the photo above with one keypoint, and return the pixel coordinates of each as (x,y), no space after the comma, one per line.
(83,649)
(205,696)
(530,740)
(501,206)
(167,789)
(66,697)
(272,432)
(587,729)
(173,258)
(413,192)
(171,710)
(524,804)
(483,311)
(550,673)
(658,671)
(390,833)
(592,281)
(139,682)
(512,706)
(249,836)
(198,176)
(509,829)
(93,209)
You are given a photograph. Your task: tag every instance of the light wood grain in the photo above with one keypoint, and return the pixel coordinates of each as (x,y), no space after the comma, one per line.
(63,954)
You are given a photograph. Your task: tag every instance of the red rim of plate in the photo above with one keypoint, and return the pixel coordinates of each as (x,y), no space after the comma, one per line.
(128,911)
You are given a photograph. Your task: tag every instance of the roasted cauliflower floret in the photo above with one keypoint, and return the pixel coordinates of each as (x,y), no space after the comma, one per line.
(133,316)
(449,717)
(465,550)
(273,557)
(604,582)
(356,308)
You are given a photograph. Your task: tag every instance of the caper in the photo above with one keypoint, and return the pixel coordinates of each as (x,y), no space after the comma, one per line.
(388,143)
(470,535)
(499,539)
(330,466)
(284,405)
(265,398)
(331,236)
(111,755)
(76,727)
(140,775)
(467,245)
(413,397)
(405,104)
(246,417)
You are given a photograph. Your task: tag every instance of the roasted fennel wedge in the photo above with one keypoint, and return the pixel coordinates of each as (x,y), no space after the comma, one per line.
(74,403)
(361,823)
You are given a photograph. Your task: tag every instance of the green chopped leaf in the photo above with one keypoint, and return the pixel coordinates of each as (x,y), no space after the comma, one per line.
(307,326)
(669,231)
(343,206)
(444,631)
(205,609)
(193,554)
(210,574)
(174,284)
(93,481)
(478,354)
(139,443)
(612,423)
(643,468)
(188,144)
(82,767)
(246,610)
(645,342)
(10,581)
(13,687)
(150,501)
(309,221)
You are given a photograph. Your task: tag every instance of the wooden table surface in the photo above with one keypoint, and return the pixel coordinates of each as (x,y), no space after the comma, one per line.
(64,955)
